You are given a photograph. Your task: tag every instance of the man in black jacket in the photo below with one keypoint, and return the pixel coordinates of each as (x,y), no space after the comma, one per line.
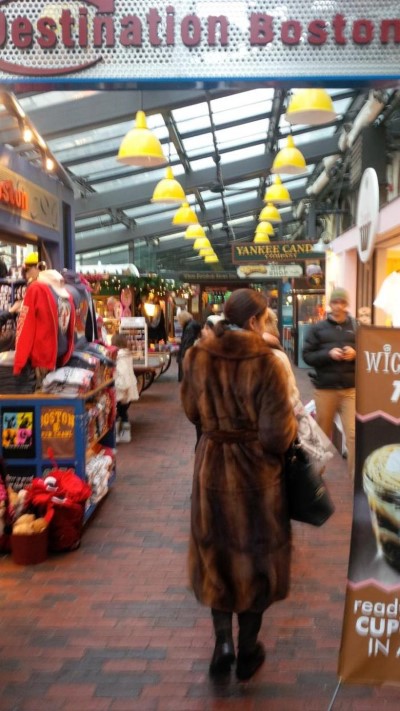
(330,348)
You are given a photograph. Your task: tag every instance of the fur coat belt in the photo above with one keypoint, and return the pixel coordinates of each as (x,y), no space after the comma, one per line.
(232,436)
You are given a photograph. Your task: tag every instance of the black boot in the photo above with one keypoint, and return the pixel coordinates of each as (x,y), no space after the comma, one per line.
(251,653)
(224,650)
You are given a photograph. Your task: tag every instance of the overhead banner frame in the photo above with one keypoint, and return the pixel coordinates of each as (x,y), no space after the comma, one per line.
(113,41)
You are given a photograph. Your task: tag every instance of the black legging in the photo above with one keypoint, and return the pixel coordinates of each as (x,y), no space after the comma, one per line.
(249,627)
(122,411)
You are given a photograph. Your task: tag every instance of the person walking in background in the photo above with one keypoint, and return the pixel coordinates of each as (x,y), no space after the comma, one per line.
(191,330)
(209,325)
(240,540)
(329,347)
(125,387)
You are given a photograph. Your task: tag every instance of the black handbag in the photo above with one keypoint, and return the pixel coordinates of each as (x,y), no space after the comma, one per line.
(309,500)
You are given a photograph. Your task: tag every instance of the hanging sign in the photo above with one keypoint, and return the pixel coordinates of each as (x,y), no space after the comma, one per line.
(370,648)
(57,431)
(267,271)
(29,201)
(274,252)
(114,39)
(367,213)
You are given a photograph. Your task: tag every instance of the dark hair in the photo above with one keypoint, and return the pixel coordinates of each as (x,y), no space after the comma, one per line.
(7,341)
(242,305)
(119,340)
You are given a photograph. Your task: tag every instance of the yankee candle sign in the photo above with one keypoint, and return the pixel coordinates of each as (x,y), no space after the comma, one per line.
(278,252)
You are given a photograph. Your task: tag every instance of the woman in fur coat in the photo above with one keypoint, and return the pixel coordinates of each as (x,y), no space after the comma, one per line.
(239,556)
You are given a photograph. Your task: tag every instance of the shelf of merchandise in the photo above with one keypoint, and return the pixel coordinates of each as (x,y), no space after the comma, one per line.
(65,419)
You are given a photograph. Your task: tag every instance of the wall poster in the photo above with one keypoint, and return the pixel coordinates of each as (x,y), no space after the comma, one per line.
(57,431)
(17,440)
(370,647)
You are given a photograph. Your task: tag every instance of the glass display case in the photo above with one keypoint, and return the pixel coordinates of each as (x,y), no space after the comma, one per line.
(308,308)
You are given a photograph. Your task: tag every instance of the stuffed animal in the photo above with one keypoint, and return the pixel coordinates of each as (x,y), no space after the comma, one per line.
(27,524)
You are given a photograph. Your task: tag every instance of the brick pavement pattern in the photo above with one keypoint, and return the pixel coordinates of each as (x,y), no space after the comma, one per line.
(113,626)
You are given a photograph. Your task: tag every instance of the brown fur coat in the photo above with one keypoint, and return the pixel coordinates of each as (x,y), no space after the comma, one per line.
(240,543)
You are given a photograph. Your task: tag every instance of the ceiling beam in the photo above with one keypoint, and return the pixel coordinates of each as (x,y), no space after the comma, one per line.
(104,109)
(161,227)
(235,172)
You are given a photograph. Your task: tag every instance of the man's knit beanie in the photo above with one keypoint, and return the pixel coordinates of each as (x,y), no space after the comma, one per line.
(339,294)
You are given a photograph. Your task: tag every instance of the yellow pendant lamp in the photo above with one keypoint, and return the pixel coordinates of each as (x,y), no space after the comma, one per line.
(201,243)
(195,232)
(206,251)
(289,160)
(261,239)
(310,106)
(211,259)
(270,213)
(264,228)
(185,215)
(140,146)
(277,193)
(168,190)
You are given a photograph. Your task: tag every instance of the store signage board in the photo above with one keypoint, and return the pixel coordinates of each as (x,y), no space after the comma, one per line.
(367,214)
(28,200)
(112,40)
(267,271)
(274,252)
(195,277)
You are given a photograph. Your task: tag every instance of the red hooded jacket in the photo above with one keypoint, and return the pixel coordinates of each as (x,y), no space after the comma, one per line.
(37,330)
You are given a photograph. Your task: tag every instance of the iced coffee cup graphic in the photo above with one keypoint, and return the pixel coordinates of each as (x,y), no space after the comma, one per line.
(381,482)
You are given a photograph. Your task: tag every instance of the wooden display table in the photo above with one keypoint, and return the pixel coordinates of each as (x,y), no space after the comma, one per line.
(158,363)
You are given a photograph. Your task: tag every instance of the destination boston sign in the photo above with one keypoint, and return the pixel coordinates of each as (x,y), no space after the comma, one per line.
(115,39)
(274,252)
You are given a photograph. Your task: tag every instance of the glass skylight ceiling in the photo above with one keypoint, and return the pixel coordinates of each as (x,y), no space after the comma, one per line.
(217,144)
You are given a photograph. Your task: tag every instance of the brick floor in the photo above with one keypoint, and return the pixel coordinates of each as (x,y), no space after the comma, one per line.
(112,626)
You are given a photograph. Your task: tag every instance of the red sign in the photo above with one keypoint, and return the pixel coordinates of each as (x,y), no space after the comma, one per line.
(13,197)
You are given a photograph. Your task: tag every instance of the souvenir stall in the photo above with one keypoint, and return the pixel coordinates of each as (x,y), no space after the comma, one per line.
(57,404)
(142,307)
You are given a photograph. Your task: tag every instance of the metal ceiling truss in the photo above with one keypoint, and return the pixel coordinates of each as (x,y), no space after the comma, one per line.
(108,208)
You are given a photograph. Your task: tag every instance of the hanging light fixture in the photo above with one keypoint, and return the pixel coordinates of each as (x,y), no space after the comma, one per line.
(185,216)
(310,106)
(206,251)
(201,243)
(261,239)
(211,259)
(289,160)
(277,193)
(168,190)
(195,231)
(140,146)
(270,213)
(264,228)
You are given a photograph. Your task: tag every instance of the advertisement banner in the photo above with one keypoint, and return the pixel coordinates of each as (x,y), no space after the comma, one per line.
(370,647)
